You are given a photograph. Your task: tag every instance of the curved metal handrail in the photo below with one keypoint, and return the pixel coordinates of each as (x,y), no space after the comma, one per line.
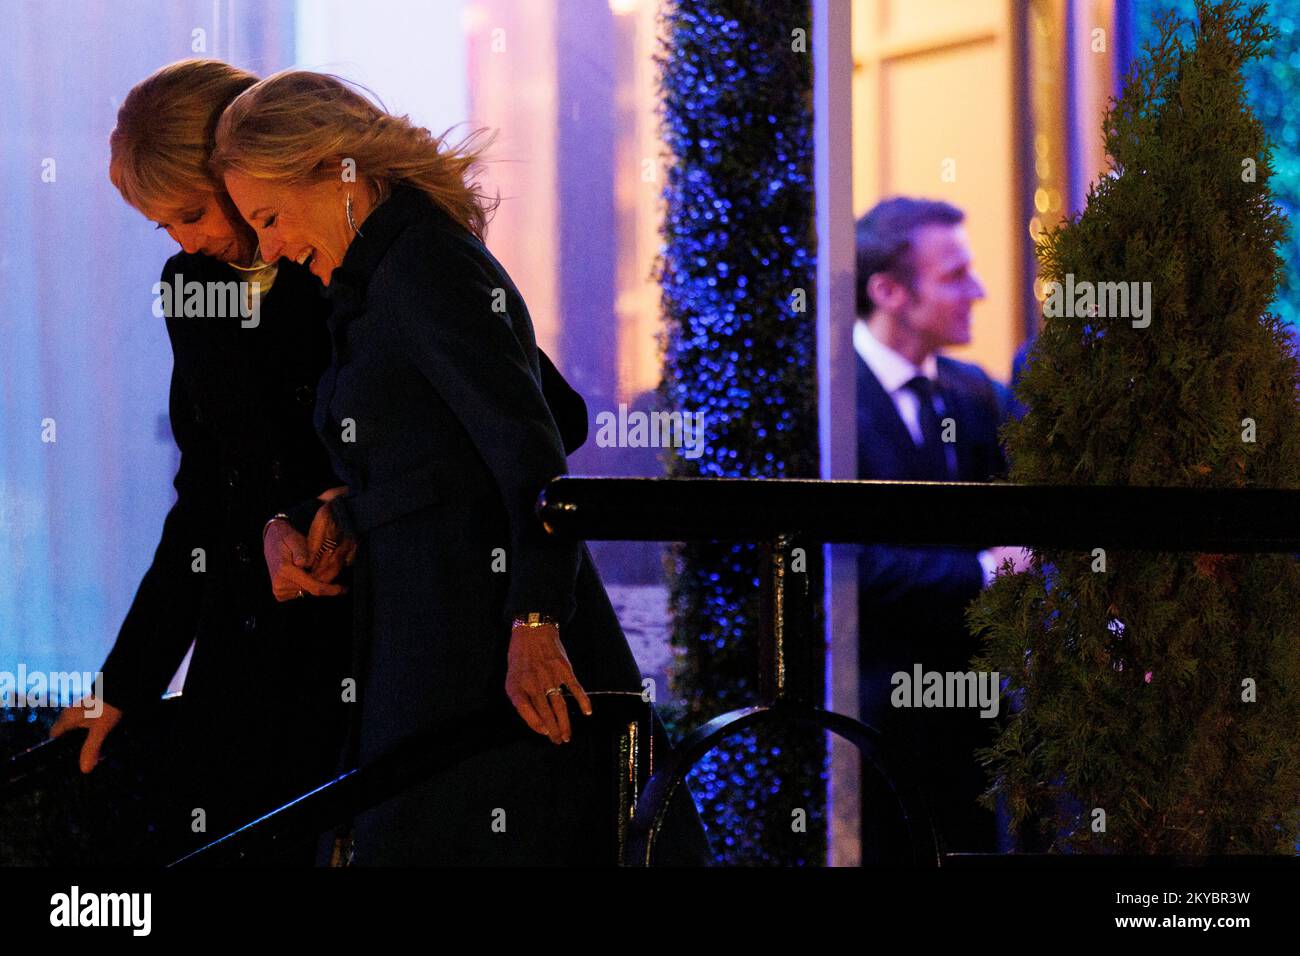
(653,807)
(419,757)
(27,765)
(22,769)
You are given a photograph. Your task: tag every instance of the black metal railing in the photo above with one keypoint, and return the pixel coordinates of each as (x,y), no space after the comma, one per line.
(785,514)
(957,514)
(30,766)
(27,767)
(621,718)
(790,513)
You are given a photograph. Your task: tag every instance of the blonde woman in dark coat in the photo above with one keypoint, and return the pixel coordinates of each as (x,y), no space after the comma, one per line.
(433,413)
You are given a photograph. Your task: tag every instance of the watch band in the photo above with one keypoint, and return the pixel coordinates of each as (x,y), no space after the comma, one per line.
(535,619)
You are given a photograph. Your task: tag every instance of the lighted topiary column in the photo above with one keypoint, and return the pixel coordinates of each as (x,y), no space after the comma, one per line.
(738,274)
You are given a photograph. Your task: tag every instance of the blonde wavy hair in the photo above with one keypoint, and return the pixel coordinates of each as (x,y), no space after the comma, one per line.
(166,129)
(297,127)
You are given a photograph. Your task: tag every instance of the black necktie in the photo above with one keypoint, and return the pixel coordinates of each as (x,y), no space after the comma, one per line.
(933,455)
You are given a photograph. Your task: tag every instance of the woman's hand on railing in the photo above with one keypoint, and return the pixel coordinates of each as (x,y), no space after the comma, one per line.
(537,671)
(98,717)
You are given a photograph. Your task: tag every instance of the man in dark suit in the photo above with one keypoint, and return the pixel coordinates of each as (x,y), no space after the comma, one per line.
(923,417)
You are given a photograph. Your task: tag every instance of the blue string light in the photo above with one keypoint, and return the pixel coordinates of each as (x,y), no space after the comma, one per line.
(737,273)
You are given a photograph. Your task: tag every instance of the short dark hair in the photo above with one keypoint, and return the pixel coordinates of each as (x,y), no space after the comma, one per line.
(884,240)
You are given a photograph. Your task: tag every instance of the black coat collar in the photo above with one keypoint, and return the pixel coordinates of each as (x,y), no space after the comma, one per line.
(405,205)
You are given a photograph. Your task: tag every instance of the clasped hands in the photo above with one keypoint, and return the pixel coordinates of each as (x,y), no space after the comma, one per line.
(301,565)
(538,669)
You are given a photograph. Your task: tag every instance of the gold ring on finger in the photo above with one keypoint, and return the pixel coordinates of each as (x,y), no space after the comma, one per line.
(554,691)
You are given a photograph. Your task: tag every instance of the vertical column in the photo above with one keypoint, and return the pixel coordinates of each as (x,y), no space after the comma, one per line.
(587,64)
(833,179)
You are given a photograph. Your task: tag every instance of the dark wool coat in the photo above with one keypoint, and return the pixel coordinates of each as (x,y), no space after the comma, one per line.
(434,415)
(261,713)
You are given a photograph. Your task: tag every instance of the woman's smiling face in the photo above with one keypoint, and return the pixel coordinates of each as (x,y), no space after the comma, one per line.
(207,223)
(299,222)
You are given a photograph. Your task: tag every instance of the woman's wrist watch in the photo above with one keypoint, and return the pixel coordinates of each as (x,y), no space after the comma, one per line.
(535,620)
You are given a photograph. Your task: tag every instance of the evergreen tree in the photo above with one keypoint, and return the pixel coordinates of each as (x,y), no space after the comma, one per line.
(1162,689)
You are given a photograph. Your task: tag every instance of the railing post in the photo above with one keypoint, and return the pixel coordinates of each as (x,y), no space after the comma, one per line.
(627,720)
(628,748)
(787,653)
